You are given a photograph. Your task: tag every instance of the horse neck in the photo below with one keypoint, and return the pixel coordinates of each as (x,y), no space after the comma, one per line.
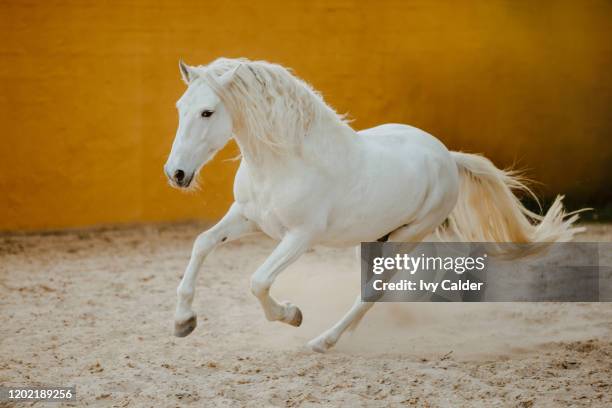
(329,141)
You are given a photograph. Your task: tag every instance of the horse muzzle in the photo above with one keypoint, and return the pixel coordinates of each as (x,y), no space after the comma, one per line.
(178,177)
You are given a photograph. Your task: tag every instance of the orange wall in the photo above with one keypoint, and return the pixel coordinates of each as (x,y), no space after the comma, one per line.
(88,91)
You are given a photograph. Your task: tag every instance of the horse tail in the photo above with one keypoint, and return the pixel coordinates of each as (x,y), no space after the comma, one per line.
(487,209)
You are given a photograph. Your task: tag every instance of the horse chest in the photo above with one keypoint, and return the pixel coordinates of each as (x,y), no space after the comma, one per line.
(275,204)
(264,216)
(257,205)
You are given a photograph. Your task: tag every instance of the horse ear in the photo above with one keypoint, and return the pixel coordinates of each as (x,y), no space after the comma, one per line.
(227,77)
(187,72)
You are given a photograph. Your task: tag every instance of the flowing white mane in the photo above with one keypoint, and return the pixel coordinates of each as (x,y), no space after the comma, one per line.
(268,104)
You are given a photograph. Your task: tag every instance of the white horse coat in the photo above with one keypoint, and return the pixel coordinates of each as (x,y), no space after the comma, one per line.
(307,178)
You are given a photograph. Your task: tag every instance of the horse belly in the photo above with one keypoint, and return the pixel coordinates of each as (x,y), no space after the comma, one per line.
(348,227)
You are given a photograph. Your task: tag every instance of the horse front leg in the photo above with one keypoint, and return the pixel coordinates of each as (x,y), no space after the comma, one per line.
(232,226)
(288,250)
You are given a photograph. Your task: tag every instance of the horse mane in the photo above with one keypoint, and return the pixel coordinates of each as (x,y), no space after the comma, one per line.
(268,104)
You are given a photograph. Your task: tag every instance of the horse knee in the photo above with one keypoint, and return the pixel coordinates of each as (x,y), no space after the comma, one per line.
(203,244)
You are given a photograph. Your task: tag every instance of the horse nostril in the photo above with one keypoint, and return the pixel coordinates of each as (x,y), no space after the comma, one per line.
(179,175)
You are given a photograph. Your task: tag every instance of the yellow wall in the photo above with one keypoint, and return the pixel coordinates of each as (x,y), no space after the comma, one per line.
(88,90)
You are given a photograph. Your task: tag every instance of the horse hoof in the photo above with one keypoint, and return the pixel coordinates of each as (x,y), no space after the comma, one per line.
(297,317)
(182,329)
(293,315)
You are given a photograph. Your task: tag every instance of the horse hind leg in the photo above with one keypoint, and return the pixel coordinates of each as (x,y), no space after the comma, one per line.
(413,233)
(330,337)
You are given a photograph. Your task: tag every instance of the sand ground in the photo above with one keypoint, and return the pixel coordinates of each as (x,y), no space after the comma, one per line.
(94,309)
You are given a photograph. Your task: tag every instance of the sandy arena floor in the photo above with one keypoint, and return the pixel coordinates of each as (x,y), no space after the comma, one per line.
(94,309)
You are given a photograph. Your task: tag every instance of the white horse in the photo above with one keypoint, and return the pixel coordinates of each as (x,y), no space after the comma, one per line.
(307,178)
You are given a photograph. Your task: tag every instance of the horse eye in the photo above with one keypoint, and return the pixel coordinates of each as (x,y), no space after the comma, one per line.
(207,113)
